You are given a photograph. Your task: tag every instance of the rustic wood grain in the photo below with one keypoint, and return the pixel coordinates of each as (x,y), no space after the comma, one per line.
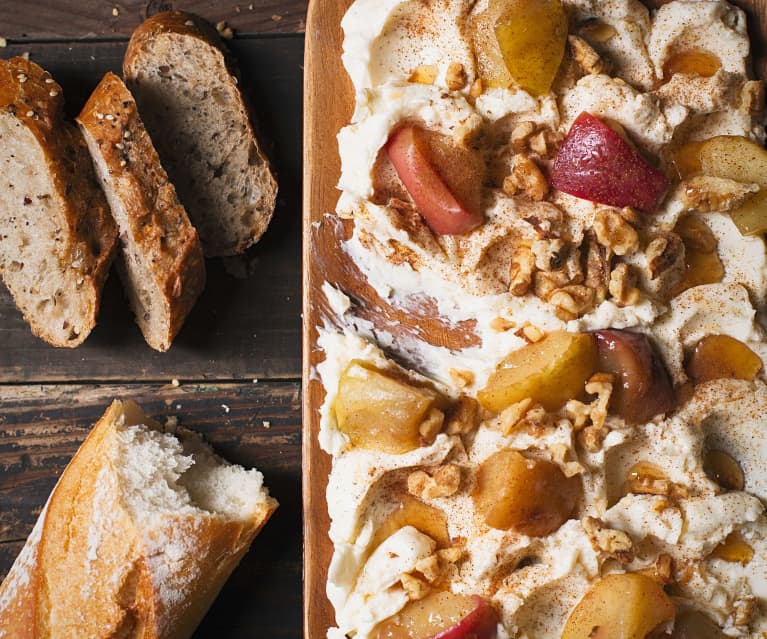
(42,426)
(241,327)
(328,103)
(73,19)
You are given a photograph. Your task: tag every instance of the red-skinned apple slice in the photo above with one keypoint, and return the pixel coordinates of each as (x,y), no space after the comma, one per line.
(443,211)
(442,615)
(642,387)
(595,163)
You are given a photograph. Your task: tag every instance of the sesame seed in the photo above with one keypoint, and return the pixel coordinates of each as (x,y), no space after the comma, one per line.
(109,117)
(100,116)
(123,163)
(126,134)
(225,407)
(22,77)
(119,145)
(189,23)
(234,79)
(53,93)
(49,80)
(30,114)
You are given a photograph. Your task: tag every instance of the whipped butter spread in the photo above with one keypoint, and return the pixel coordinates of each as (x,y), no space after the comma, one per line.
(414,61)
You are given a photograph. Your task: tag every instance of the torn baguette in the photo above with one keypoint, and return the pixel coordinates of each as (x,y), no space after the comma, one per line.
(161,265)
(186,86)
(137,538)
(58,238)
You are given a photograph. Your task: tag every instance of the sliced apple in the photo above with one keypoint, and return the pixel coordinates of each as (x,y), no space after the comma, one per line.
(442,615)
(621,606)
(411,511)
(722,357)
(643,386)
(530,496)
(702,264)
(550,372)
(595,163)
(380,412)
(697,62)
(722,468)
(734,549)
(444,180)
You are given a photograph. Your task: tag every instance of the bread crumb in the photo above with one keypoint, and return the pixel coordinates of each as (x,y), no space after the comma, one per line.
(3,42)
(226,408)
(266,424)
(175,382)
(115,11)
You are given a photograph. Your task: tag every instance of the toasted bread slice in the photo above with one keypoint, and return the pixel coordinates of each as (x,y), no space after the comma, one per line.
(57,239)
(137,538)
(186,86)
(161,265)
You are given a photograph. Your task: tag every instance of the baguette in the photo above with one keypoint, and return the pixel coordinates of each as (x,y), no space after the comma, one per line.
(161,265)
(136,539)
(58,238)
(185,83)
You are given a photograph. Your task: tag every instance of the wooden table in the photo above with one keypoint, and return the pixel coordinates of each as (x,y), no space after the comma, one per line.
(237,359)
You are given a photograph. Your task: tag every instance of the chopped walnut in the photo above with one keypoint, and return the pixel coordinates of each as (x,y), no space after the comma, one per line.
(623,286)
(536,420)
(752,96)
(455,76)
(546,283)
(601,385)
(443,482)
(571,301)
(615,543)
(530,333)
(451,555)
(614,232)
(662,570)
(527,178)
(429,567)
(521,271)
(424,74)
(501,324)
(414,587)
(560,453)
(592,438)
(520,134)
(539,144)
(476,89)
(432,425)
(437,566)
(646,485)
(462,378)
(547,221)
(664,253)
(586,57)
(597,268)
(549,254)
(743,610)
(463,417)
(706,193)
(511,416)
(633,217)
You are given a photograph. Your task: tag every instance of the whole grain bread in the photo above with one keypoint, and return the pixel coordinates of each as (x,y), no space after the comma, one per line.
(186,86)
(137,538)
(57,239)
(161,262)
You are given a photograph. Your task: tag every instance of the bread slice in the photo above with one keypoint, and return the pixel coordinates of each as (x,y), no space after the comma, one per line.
(137,538)
(57,239)
(161,265)
(186,86)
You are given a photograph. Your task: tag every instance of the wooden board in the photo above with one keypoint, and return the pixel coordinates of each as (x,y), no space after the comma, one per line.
(328,103)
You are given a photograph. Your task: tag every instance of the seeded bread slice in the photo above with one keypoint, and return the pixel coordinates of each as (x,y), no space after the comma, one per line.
(161,265)
(185,84)
(57,238)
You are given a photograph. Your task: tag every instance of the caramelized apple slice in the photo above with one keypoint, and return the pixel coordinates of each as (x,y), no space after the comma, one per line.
(410,511)
(379,412)
(646,478)
(693,624)
(550,372)
(443,179)
(643,387)
(442,615)
(530,496)
(623,606)
(701,260)
(696,62)
(734,549)
(722,357)
(723,469)
(532,36)
(595,163)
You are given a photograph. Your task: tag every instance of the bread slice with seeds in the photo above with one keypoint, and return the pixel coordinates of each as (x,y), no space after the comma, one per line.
(161,262)
(186,86)
(57,238)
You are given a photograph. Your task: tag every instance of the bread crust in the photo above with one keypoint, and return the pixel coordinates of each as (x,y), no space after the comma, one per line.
(30,95)
(81,577)
(157,225)
(190,25)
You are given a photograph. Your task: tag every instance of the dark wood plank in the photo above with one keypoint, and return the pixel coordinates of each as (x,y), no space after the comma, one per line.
(42,426)
(242,327)
(28,20)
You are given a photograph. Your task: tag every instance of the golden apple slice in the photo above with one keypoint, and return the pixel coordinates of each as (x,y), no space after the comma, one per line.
(722,357)
(701,259)
(550,372)
(734,549)
(411,511)
(722,468)
(530,496)
(622,606)
(696,62)
(379,412)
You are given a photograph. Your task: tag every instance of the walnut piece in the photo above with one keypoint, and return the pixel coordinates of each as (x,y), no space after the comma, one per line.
(443,482)
(476,89)
(463,417)
(511,416)
(455,76)
(521,271)
(744,609)
(520,134)
(414,587)
(527,178)
(570,302)
(592,438)
(424,74)
(530,333)
(462,378)
(549,254)
(705,193)
(585,56)
(431,426)
(623,286)
(614,232)
(501,324)
(615,543)
(597,268)
(664,253)
(595,413)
